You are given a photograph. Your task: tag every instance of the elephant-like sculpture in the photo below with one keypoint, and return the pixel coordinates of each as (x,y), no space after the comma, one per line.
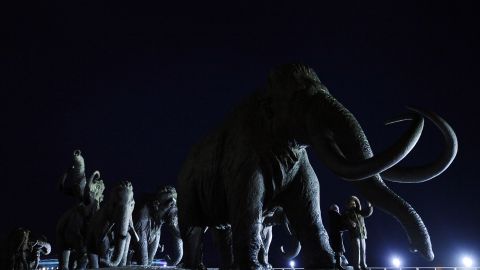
(151,213)
(276,217)
(257,160)
(108,237)
(72,226)
(73,181)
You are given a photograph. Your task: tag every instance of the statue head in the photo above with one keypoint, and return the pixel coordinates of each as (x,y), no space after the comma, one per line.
(164,199)
(354,203)
(335,208)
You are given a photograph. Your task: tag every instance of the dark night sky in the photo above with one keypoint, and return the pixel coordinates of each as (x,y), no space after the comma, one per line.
(136,85)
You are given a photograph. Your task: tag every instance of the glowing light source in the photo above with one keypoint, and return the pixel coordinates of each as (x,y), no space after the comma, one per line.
(292,264)
(396,262)
(467,261)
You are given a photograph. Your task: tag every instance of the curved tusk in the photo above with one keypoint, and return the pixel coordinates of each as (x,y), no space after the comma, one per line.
(418,174)
(353,170)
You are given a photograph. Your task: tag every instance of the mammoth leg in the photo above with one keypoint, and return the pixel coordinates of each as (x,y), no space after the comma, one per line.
(301,202)
(266,241)
(93,260)
(192,246)
(246,218)
(64,258)
(223,241)
(123,262)
(152,248)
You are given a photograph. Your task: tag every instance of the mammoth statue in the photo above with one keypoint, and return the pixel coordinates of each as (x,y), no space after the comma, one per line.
(73,181)
(108,237)
(72,226)
(275,217)
(151,213)
(257,160)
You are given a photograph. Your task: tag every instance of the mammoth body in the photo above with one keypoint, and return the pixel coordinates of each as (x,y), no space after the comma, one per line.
(257,160)
(108,237)
(151,213)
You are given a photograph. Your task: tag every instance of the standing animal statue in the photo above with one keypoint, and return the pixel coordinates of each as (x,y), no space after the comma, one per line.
(72,226)
(153,211)
(108,237)
(73,181)
(257,160)
(276,217)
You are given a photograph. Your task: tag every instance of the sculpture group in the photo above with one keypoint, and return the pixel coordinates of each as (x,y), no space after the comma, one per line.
(250,173)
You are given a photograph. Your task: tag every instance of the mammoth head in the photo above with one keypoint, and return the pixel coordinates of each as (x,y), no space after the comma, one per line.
(164,199)
(287,80)
(299,108)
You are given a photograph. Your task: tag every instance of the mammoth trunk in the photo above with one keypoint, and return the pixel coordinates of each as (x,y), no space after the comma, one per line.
(342,145)
(385,199)
(120,238)
(177,251)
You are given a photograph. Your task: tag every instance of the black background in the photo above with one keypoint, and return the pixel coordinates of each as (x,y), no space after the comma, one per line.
(135,85)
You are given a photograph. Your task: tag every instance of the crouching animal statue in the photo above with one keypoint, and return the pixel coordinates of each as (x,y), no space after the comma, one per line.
(152,211)
(257,160)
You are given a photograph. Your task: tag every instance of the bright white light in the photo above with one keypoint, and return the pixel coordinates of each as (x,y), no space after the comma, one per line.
(467,261)
(292,264)
(396,262)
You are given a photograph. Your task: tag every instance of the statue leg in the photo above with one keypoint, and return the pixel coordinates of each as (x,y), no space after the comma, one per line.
(301,202)
(152,248)
(64,259)
(363,252)
(266,241)
(246,219)
(93,259)
(223,241)
(123,262)
(192,247)
(356,253)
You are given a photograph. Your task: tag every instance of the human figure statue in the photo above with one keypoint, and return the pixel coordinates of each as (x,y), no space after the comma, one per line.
(337,227)
(354,215)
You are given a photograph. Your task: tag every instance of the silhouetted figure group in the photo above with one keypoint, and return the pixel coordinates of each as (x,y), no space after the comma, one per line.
(351,220)
(23,251)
